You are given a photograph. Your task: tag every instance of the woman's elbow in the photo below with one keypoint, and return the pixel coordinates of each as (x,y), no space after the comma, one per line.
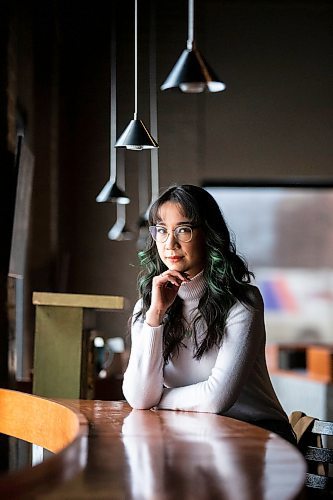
(140,403)
(140,400)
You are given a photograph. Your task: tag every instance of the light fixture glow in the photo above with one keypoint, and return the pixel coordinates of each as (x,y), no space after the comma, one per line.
(136,136)
(98,342)
(192,73)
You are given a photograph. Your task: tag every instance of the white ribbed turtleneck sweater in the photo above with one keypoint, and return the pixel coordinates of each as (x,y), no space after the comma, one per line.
(231,380)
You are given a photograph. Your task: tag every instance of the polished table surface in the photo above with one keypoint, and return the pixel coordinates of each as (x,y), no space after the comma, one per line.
(122,453)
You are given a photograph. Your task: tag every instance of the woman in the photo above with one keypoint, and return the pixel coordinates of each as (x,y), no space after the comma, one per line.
(198,333)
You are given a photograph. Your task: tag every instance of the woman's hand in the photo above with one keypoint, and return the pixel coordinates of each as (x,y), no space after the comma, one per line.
(164,291)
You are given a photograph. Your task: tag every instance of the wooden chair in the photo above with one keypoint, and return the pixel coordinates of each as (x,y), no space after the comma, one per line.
(47,424)
(37,420)
(319,481)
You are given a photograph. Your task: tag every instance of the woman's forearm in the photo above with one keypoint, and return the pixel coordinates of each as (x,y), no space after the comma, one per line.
(143,378)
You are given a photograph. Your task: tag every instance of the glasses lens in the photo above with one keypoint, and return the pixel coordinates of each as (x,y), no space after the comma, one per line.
(183,233)
(152,230)
(158,233)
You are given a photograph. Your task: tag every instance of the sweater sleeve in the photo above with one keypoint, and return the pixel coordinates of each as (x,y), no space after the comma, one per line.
(243,337)
(143,378)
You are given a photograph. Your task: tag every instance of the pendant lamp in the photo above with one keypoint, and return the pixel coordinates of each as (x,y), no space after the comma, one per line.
(136,136)
(120,231)
(192,73)
(111,192)
(154,174)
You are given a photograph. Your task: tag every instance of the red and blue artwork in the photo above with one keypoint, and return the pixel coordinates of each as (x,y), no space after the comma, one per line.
(277,295)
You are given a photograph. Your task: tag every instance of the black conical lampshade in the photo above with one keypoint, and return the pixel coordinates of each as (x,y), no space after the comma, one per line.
(120,232)
(136,136)
(192,74)
(112,193)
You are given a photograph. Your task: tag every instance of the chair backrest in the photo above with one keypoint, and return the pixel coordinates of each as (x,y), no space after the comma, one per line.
(318,457)
(37,420)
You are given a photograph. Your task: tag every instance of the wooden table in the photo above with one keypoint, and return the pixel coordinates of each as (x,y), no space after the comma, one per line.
(124,454)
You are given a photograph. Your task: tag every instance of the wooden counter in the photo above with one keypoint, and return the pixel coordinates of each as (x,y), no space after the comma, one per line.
(154,455)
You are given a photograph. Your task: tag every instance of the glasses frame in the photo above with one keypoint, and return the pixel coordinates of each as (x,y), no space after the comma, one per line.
(152,230)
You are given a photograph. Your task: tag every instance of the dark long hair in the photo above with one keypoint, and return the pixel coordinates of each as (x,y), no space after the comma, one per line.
(226,273)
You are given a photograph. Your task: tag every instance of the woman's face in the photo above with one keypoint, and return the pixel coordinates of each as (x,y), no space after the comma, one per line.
(187,257)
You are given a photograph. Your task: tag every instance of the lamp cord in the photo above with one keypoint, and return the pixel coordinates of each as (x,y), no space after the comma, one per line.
(136,61)
(190,38)
(113,101)
(153,103)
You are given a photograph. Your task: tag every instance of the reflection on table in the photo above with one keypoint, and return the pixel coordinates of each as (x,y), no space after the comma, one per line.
(206,458)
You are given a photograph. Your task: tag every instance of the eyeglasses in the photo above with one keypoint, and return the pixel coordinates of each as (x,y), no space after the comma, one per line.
(181,233)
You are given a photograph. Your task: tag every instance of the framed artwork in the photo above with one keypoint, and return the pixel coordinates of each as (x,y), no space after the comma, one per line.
(284,230)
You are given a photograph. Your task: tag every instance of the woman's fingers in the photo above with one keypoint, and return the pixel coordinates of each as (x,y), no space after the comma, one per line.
(164,291)
(174,277)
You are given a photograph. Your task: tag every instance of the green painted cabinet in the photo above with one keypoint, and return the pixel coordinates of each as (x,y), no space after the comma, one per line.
(63,354)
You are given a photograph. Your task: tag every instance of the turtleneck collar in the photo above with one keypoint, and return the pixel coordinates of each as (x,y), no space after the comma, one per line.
(194,289)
